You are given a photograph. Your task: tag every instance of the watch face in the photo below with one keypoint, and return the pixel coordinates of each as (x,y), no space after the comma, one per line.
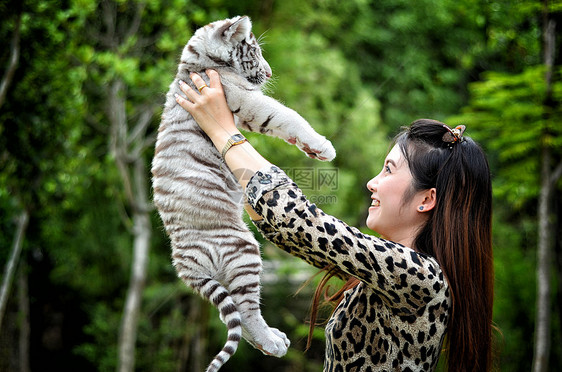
(237,137)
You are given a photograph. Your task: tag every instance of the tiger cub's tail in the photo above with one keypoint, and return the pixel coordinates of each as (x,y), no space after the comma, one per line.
(219,296)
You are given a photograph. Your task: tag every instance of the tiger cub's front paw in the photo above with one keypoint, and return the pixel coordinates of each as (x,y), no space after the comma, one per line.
(321,149)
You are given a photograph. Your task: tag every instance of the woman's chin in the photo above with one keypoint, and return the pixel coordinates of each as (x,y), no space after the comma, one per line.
(371,224)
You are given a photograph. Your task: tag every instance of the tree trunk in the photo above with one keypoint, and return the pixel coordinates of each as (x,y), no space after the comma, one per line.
(193,350)
(558,268)
(542,326)
(129,323)
(134,175)
(12,263)
(200,339)
(191,324)
(24,328)
(14,61)
(544,249)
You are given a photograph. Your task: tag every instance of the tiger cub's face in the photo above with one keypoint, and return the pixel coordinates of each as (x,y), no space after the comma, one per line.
(228,43)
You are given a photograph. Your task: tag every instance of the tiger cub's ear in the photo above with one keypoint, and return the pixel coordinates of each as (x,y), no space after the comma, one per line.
(238,30)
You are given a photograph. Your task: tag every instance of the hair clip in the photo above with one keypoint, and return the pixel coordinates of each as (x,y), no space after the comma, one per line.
(453,136)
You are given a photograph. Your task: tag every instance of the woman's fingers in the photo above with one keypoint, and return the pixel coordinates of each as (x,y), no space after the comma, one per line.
(198,81)
(186,104)
(215,79)
(215,83)
(187,90)
(183,102)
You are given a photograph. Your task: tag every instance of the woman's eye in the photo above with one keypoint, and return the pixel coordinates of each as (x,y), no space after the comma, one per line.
(387,169)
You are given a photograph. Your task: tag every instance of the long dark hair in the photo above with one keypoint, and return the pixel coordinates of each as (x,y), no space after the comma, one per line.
(458,234)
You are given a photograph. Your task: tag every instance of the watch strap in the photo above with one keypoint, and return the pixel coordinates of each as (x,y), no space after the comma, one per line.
(236,139)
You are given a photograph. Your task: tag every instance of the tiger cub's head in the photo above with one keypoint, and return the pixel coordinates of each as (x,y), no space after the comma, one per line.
(227,43)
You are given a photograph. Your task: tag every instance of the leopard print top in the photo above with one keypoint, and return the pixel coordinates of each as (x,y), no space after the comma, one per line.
(396,318)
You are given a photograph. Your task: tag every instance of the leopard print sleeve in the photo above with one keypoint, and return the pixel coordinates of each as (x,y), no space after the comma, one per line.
(407,280)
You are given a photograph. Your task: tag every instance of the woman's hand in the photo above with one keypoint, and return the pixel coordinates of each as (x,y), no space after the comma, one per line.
(209,107)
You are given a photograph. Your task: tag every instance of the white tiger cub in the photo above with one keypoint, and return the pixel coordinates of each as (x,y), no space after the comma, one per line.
(196,195)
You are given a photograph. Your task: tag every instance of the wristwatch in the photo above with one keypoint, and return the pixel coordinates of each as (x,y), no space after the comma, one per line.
(233,141)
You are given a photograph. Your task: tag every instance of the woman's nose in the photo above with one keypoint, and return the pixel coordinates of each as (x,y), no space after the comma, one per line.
(372,185)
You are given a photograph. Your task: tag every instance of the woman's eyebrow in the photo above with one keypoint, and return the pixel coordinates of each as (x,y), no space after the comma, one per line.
(390,161)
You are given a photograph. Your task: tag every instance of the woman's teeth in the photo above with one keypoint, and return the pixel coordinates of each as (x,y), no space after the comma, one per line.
(375,203)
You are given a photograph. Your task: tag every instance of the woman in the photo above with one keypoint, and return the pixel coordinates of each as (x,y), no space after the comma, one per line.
(428,284)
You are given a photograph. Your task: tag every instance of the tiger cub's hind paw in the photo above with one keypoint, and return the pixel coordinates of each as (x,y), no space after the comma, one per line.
(276,343)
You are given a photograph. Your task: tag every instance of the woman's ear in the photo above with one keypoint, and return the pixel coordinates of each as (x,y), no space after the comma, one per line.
(428,199)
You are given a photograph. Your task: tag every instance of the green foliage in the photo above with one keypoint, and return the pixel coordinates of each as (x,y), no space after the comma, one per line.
(510,114)
(104,320)
(514,291)
(413,58)
(356,70)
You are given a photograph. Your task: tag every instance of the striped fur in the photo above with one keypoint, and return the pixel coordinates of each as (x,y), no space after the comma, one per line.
(199,200)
